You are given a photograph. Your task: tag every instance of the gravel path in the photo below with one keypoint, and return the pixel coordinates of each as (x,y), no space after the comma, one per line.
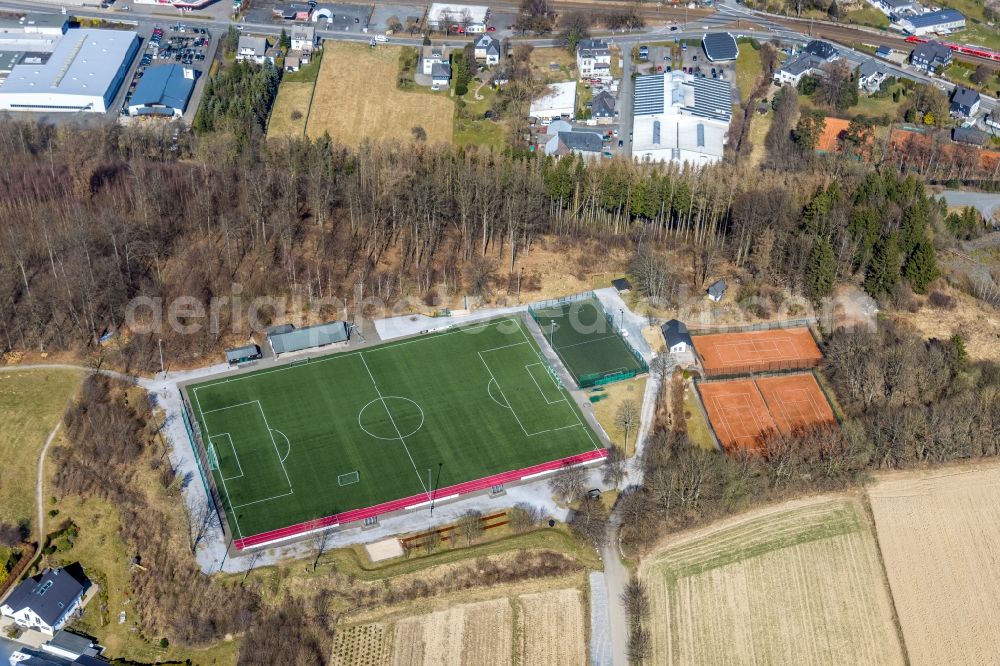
(600,629)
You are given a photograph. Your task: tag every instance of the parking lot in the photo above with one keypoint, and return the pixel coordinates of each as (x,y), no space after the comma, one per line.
(327,16)
(689,59)
(180,44)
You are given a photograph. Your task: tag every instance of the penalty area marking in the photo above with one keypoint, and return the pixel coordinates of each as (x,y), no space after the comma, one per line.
(288,451)
(489,389)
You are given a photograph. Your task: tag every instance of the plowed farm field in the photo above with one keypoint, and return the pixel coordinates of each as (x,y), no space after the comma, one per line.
(539,628)
(940,538)
(799,583)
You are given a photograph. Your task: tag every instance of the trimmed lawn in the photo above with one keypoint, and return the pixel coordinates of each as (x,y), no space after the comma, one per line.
(484,133)
(759,126)
(748,70)
(31,403)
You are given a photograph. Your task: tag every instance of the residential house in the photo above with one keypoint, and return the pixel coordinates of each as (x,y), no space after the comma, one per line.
(809,61)
(441,74)
(293,61)
(964,102)
(563,140)
(942,22)
(822,50)
(254,49)
(870,76)
(47,601)
(717,290)
(432,55)
(602,108)
(487,49)
(930,56)
(676,336)
(969,135)
(68,645)
(593,59)
(680,118)
(993,122)
(303,39)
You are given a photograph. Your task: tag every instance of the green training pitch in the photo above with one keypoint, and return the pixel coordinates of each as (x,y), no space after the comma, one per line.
(589,346)
(350,430)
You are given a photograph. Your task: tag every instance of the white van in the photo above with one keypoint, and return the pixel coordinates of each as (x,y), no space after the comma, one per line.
(382,39)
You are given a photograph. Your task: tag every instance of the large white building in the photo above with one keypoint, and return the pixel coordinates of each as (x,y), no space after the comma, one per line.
(681,118)
(558,102)
(83,71)
(942,22)
(471,18)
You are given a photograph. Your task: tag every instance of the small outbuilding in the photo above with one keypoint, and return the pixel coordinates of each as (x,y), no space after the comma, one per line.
(676,336)
(622,285)
(243,354)
(717,290)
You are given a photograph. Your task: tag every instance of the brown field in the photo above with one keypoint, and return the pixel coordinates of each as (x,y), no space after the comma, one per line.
(939,533)
(553,630)
(795,401)
(545,627)
(737,412)
(292,97)
(796,584)
(756,351)
(356,98)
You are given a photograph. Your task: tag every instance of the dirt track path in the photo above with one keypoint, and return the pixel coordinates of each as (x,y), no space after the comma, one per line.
(40,483)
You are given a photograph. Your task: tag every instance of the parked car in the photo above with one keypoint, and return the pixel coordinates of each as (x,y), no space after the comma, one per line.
(491,29)
(621,143)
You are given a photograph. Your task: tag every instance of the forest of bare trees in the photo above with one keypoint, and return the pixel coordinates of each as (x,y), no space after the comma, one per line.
(99,217)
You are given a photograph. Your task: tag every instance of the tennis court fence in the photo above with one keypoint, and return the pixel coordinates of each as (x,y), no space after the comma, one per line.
(759,367)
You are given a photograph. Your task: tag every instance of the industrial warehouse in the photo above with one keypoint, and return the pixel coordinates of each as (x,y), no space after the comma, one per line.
(50,67)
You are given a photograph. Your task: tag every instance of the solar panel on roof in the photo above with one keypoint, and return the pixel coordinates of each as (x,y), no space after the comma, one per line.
(720,46)
(649,95)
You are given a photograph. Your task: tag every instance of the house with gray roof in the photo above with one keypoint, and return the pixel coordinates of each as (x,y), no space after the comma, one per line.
(930,56)
(47,601)
(487,48)
(564,140)
(717,290)
(441,74)
(964,102)
(593,59)
(602,108)
(676,336)
(969,135)
(870,76)
(321,335)
(254,49)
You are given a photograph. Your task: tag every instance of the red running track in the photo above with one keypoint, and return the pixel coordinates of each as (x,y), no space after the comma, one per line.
(395,505)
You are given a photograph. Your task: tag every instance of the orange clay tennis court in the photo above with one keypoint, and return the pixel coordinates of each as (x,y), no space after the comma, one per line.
(743,411)
(756,351)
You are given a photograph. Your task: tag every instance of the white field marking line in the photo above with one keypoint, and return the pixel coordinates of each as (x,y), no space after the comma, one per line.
(275,444)
(235,455)
(222,409)
(266,499)
(586,342)
(287,441)
(565,392)
(225,489)
(539,386)
(335,356)
(500,388)
(393,422)
(489,392)
(738,411)
(514,344)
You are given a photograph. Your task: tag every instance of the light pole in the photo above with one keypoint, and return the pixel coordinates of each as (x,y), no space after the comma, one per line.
(162,369)
(622,313)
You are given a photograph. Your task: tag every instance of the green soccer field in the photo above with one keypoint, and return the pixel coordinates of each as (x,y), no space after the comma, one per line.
(587,343)
(355,429)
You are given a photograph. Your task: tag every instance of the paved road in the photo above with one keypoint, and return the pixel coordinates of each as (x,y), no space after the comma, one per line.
(626,99)
(987,204)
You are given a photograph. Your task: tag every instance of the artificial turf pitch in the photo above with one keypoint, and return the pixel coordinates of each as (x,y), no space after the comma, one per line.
(355,429)
(587,344)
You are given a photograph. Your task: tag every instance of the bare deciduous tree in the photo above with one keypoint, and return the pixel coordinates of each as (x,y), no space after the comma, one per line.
(627,418)
(568,484)
(471,525)
(615,467)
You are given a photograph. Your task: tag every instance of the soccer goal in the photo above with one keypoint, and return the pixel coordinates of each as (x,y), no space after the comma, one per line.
(213,457)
